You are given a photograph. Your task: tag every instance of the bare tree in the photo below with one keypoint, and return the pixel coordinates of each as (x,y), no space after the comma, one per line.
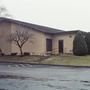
(20,37)
(4,12)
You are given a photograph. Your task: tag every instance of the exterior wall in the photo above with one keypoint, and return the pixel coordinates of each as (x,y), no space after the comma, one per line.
(5,29)
(67,43)
(38,45)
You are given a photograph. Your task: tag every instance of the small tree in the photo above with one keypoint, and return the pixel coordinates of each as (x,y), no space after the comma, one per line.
(20,37)
(79,45)
(87,38)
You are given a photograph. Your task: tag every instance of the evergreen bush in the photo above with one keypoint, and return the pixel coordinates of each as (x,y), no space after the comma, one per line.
(79,45)
(87,38)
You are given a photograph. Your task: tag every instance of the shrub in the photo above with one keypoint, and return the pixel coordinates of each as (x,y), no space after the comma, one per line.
(26,53)
(87,38)
(13,54)
(79,45)
(2,54)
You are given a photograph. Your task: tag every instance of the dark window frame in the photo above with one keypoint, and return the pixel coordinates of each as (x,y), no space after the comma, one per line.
(48,44)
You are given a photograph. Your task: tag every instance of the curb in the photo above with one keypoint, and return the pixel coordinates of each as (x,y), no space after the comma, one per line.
(72,66)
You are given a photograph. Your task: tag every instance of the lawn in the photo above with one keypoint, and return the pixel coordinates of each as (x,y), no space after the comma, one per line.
(68,60)
(57,60)
(26,59)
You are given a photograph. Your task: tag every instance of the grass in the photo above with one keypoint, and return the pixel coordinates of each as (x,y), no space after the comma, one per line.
(27,59)
(68,60)
(57,60)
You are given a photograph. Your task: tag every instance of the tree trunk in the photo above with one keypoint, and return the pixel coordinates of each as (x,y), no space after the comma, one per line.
(21,52)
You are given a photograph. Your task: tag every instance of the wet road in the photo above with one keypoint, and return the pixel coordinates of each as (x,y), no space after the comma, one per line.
(38,77)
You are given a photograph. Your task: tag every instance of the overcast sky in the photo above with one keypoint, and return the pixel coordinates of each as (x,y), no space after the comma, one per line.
(61,14)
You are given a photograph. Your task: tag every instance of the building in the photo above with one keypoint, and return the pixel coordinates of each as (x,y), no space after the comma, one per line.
(46,40)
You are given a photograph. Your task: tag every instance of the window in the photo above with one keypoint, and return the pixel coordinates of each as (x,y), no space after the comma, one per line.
(48,44)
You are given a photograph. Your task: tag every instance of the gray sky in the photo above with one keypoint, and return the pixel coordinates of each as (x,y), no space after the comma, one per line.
(61,14)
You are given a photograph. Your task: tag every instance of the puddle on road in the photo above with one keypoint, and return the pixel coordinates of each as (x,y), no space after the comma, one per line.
(12,77)
(56,86)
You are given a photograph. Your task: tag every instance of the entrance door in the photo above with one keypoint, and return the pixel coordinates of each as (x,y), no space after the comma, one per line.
(60,42)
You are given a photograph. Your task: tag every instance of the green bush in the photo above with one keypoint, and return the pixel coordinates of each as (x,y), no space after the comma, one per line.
(79,45)
(87,38)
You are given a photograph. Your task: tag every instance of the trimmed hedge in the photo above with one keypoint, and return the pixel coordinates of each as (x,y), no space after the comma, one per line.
(26,53)
(13,54)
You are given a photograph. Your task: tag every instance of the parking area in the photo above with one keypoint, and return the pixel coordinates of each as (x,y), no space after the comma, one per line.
(41,77)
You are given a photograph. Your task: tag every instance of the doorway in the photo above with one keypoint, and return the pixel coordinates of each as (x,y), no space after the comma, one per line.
(60,44)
